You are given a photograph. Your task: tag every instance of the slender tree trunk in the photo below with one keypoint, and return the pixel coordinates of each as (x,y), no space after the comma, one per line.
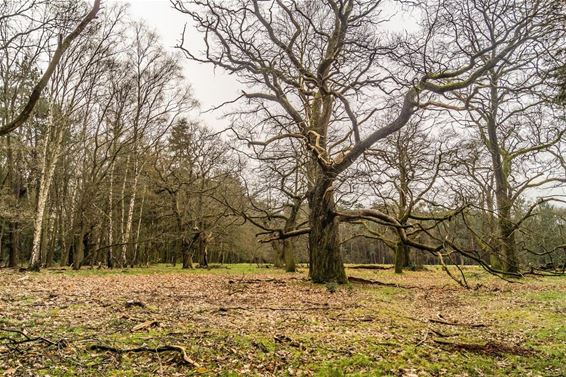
(123,205)
(110,251)
(47,170)
(205,254)
(138,231)
(78,255)
(64,251)
(187,253)
(96,253)
(399,257)
(67,237)
(508,247)
(14,226)
(45,234)
(53,235)
(130,219)
(202,244)
(325,259)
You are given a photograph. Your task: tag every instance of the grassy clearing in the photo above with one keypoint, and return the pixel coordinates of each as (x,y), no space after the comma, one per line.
(247,320)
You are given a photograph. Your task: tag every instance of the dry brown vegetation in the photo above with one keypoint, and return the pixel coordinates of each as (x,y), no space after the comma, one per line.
(243,320)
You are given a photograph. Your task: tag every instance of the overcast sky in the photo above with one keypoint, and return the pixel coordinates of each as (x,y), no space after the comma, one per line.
(210,88)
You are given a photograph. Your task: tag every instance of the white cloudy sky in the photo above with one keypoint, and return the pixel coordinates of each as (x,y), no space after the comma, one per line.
(210,87)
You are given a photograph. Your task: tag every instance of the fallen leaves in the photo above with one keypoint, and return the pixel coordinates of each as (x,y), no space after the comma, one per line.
(266,323)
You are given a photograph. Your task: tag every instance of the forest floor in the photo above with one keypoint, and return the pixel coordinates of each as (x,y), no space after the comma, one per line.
(243,320)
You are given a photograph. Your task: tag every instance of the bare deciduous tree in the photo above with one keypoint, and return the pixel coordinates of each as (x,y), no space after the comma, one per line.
(330,68)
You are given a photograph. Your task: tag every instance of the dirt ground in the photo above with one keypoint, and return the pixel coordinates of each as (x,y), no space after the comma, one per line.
(243,320)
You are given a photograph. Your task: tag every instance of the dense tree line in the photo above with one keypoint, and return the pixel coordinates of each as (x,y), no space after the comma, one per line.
(350,142)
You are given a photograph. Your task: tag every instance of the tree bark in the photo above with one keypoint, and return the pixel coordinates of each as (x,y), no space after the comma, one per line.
(502,195)
(288,248)
(79,251)
(187,252)
(278,257)
(325,259)
(129,219)
(399,257)
(48,162)
(110,252)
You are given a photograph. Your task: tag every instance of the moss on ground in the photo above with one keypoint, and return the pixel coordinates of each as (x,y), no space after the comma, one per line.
(248,320)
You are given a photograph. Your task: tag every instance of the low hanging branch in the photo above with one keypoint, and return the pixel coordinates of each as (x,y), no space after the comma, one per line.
(42,83)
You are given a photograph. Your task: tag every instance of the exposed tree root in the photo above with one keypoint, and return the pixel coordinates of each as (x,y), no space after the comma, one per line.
(165,348)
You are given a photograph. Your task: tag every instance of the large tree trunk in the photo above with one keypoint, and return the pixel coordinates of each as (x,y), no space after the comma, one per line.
(503,200)
(288,251)
(325,259)
(278,257)
(406,256)
(507,242)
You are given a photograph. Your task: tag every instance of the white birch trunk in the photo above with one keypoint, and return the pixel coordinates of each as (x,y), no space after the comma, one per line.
(130,218)
(47,171)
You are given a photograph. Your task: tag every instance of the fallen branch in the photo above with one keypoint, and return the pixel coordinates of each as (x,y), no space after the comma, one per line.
(489,348)
(354,279)
(132,303)
(253,281)
(26,338)
(145,325)
(225,309)
(165,348)
(425,337)
(369,267)
(443,322)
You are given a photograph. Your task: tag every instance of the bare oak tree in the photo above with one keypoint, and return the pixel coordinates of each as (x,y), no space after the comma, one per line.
(331,68)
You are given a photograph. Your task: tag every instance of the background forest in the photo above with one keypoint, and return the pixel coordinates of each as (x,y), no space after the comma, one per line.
(114,168)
